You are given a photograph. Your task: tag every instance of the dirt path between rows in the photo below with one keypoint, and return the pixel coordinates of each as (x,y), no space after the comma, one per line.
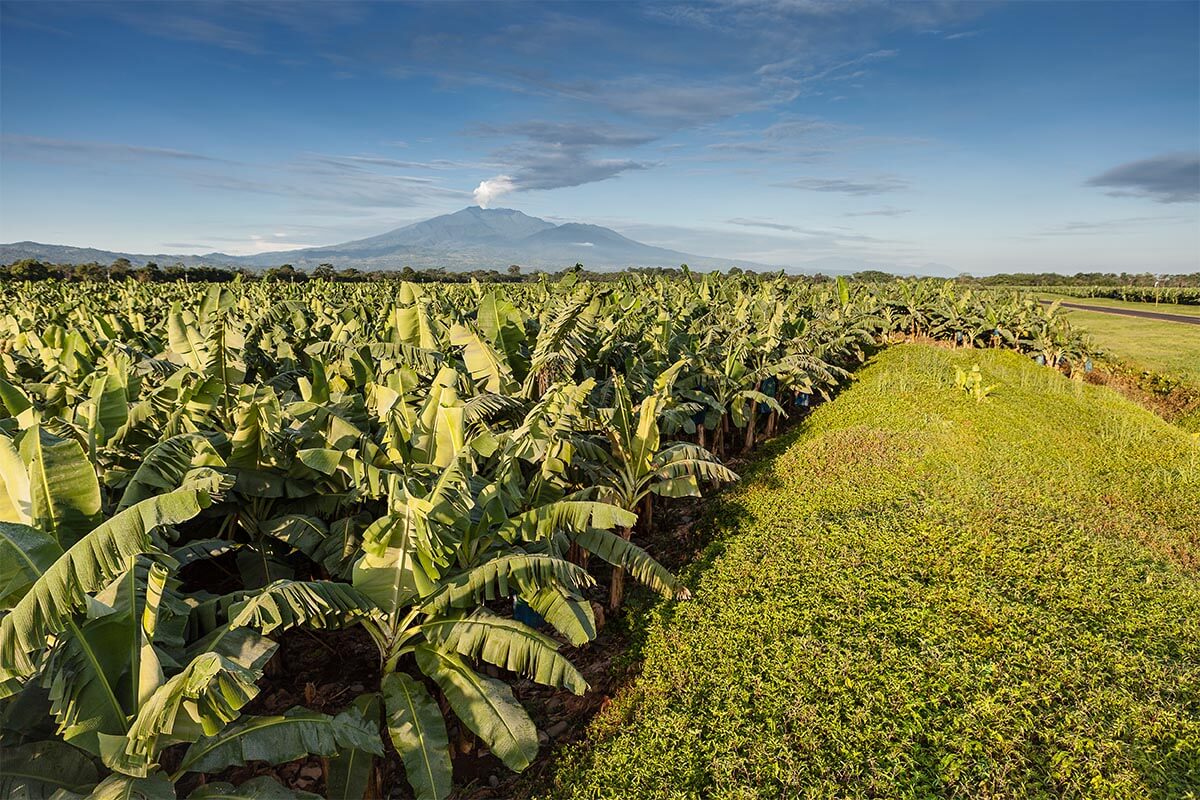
(1130,312)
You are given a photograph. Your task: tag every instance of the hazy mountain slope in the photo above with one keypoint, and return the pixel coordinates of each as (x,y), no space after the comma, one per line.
(473,238)
(493,237)
(65,254)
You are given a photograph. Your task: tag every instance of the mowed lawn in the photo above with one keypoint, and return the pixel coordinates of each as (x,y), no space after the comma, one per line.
(1172,347)
(920,595)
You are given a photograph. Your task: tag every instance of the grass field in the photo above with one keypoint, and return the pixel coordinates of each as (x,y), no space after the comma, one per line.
(1164,308)
(922,595)
(1172,347)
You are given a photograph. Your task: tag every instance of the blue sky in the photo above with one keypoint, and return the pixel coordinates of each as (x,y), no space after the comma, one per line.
(987,137)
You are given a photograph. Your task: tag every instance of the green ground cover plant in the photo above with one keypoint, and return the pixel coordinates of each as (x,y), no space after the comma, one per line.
(923,595)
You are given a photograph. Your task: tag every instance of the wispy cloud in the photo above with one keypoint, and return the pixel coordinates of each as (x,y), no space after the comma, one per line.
(1108,226)
(774,243)
(183,247)
(569,134)
(762,223)
(1169,178)
(239,27)
(191,28)
(798,71)
(553,169)
(854,187)
(38,146)
(337,181)
(795,138)
(838,234)
(669,101)
(555,155)
(262,243)
(801,139)
(364,163)
(879,212)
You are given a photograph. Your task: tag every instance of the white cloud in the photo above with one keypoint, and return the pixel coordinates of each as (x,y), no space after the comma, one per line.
(487,192)
(261,244)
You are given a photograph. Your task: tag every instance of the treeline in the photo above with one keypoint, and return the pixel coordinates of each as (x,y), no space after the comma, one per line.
(1083,279)
(31,269)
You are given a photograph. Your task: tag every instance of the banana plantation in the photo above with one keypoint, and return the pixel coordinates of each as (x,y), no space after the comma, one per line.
(1138,294)
(462,477)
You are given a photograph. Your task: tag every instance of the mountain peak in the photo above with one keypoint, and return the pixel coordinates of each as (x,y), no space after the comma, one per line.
(480,210)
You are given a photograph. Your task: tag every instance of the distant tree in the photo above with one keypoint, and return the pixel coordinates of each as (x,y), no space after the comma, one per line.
(27,269)
(90,271)
(873,276)
(120,269)
(514,270)
(148,273)
(325,272)
(284,272)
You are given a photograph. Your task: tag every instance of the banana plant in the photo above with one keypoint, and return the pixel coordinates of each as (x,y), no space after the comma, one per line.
(637,463)
(430,567)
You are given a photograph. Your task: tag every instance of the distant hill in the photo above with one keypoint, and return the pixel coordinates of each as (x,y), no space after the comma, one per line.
(64,254)
(481,238)
(473,238)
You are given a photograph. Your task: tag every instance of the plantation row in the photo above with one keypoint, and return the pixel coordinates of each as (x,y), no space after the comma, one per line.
(190,472)
(1137,294)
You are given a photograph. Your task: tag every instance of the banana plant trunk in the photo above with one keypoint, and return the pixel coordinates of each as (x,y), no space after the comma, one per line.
(577,555)
(616,588)
(752,422)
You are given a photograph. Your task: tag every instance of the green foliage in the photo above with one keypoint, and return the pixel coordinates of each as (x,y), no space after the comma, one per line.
(36,770)
(282,738)
(418,733)
(406,459)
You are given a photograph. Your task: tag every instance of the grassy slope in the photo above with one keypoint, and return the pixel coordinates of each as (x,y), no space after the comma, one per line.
(921,595)
(1172,347)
